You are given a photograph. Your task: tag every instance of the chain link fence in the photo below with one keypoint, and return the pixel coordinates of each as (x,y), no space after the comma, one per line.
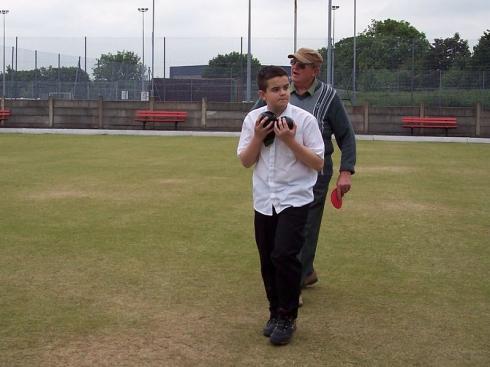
(37,71)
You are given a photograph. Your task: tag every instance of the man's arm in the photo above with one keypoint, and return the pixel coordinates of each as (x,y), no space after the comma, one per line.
(346,141)
(344,134)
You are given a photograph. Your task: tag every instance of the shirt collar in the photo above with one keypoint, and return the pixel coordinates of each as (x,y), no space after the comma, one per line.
(310,91)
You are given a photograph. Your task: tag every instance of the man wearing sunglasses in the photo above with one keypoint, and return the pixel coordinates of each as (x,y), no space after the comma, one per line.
(321,100)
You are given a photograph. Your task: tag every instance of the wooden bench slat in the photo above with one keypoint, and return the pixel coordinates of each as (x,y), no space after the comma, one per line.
(161,116)
(429,119)
(430,122)
(5,114)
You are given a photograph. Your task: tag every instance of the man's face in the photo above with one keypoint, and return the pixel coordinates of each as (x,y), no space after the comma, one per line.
(303,74)
(276,94)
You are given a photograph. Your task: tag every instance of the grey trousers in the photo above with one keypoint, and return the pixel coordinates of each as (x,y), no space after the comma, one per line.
(313,223)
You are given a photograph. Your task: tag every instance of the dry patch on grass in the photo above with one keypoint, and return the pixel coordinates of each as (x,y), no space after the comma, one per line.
(186,181)
(162,187)
(172,181)
(385,169)
(67,193)
(122,192)
(411,206)
(171,339)
(62,193)
(390,203)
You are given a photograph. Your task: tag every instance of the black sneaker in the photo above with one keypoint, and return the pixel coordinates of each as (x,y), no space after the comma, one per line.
(283,331)
(269,327)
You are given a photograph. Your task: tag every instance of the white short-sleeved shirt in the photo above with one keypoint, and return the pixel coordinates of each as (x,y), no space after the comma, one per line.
(279,179)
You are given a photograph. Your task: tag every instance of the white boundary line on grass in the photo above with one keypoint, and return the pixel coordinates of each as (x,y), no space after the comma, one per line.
(437,139)
(115,132)
(432,139)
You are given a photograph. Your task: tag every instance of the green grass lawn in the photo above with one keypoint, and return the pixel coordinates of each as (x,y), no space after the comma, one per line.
(139,251)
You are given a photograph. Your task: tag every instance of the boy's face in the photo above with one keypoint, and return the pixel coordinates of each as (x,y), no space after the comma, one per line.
(276,94)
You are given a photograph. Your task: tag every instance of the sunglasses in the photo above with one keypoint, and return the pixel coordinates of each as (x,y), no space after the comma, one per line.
(300,65)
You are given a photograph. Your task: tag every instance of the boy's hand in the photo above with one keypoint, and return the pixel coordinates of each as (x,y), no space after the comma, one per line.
(301,152)
(260,130)
(283,132)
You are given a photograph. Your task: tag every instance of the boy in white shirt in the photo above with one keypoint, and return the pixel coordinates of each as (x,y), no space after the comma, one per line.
(283,178)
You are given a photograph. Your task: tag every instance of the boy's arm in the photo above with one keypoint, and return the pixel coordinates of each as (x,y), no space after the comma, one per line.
(302,153)
(250,155)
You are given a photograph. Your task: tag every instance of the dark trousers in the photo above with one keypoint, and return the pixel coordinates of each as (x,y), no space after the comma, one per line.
(313,223)
(279,240)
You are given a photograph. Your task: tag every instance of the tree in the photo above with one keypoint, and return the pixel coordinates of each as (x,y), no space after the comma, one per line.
(390,44)
(481,53)
(36,82)
(63,74)
(388,52)
(124,65)
(390,27)
(232,65)
(452,52)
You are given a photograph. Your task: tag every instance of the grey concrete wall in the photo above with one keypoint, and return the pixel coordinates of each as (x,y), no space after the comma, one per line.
(213,116)
(485,123)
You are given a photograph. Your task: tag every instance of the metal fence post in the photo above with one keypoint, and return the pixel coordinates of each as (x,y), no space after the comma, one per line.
(151,103)
(191,91)
(51,111)
(204,108)
(478,116)
(100,109)
(366,117)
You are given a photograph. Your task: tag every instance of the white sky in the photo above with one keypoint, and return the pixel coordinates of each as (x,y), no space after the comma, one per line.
(215,26)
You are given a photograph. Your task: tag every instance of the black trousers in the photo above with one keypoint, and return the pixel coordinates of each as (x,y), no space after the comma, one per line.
(279,240)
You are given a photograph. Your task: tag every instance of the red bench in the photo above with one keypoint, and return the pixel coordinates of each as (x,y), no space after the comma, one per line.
(5,114)
(160,116)
(413,122)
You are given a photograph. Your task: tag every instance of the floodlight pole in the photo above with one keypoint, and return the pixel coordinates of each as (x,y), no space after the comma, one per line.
(153,51)
(249,54)
(329,48)
(354,60)
(295,25)
(334,7)
(4,13)
(143,11)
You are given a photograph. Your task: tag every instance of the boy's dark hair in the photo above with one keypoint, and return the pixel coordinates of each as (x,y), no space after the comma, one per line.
(269,72)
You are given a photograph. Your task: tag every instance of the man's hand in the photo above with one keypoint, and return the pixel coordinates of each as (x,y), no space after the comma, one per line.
(344,182)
